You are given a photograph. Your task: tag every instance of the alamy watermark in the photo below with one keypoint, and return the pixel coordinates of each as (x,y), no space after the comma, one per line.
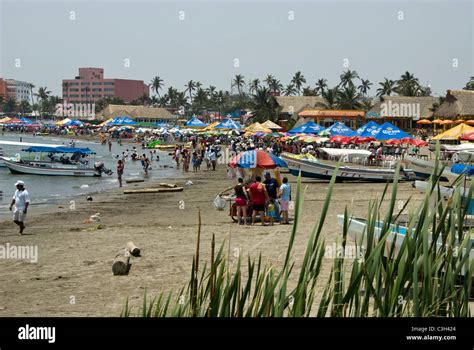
(19,252)
(337,251)
(77,110)
(395,109)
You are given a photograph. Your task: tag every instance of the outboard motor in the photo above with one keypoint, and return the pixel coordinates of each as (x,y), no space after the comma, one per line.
(100,168)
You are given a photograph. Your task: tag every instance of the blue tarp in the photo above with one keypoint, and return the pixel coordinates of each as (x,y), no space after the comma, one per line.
(308,128)
(122,121)
(389,131)
(228,124)
(194,122)
(368,130)
(61,149)
(461,168)
(74,123)
(340,129)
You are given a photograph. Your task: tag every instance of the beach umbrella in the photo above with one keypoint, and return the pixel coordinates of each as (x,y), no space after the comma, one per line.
(5,120)
(257,128)
(393,142)
(360,139)
(228,124)
(26,120)
(389,131)
(447,122)
(340,129)
(407,140)
(457,121)
(455,133)
(424,122)
(75,123)
(308,128)
(368,130)
(107,122)
(438,121)
(470,121)
(468,137)
(271,125)
(194,122)
(419,143)
(337,139)
(62,122)
(256,159)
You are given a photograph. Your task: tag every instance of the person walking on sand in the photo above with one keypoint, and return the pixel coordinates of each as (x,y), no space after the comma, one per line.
(145,163)
(110,145)
(241,201)
(258,196)
(285,195)
(21,201)
(120,168)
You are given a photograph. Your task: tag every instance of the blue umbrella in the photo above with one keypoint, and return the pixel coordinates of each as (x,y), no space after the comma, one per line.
(389,131)
(308,128)
(368,130)
(340,129)
(228,124)
(194,122)
(26,120)
(74,123)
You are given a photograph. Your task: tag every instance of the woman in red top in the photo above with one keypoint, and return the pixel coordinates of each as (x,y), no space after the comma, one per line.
(258,195)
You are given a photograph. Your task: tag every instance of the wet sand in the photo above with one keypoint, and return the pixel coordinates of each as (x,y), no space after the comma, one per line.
(73,275)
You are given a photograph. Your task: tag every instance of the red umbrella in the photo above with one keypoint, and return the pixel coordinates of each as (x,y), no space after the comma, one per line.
(468,137)
(419,143)
(392,142)
(359,139)
(338,139)
(406,140)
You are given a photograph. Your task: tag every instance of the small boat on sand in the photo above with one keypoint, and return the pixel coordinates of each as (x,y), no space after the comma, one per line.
(54,161)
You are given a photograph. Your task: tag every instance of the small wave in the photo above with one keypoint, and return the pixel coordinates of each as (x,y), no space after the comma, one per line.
(84,186)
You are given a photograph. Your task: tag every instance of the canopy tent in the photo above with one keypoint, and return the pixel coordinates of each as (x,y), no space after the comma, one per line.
(389,131)
(257,128)
(271,125)
(228,124)
(194,122)
(62,122)
(47,149)
(74,123)
(211,126)
(340,129)
(455,133)
(107,122)
(368,130)
(26,121)
(5,120)
(123,121)
(256,159)
(308,128)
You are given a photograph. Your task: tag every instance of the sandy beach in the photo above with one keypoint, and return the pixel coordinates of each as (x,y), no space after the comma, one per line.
(73,275)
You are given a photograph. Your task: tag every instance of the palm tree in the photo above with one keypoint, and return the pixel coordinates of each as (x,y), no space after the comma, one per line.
(289,90)
(200,98)
(298,80)
(470,84)
(238,82)
(268,80)
(43,94)
(330,99)
(276,85)
(308,91)
(10,105)
(31,87)
(347,77)
(364,86)
(321,85)
(190,86)
(163,100)
(349,98)
(220,100)
(386,88)
(157,85)
(264,105)
(254,85)
(366,104)
(407,85)
(154,101)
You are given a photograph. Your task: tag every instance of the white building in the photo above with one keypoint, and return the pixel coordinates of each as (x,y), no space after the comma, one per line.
(19,89)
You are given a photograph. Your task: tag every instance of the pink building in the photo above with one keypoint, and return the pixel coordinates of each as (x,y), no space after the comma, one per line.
(90,86)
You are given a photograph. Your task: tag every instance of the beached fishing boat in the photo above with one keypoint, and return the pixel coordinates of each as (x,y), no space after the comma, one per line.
(424,168)
(357,230)
(54,161)
(317,169)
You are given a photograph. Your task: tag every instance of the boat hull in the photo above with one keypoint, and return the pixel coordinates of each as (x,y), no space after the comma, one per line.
(319,170)
(424,169)
(25,168)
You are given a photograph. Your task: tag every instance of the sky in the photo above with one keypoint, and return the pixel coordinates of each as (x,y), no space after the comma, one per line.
(43,42)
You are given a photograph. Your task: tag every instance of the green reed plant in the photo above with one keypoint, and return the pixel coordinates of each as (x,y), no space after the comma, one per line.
(428,273)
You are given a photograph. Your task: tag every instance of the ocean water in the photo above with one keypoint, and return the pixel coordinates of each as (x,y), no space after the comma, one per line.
(45,190)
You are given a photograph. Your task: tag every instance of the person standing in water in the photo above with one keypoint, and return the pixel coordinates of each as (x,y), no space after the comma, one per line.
(21,201)
(120,168)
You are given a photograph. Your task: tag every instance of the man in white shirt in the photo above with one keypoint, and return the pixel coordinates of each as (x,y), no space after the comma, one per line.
(21,201)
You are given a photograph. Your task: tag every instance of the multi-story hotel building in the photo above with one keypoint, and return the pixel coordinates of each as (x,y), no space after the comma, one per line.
(18,90)
(90,86)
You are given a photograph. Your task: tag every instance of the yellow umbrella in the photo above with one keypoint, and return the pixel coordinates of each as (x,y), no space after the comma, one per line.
(106,122)
(424,121)
(5,120)
(455,133)
(438,121)
(257,127)
(271,125)
(446,122)
(211,127)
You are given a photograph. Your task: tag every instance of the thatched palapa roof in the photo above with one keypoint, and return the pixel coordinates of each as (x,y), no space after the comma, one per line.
(403,104)
(295,104)
(458,103)
(141,112)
